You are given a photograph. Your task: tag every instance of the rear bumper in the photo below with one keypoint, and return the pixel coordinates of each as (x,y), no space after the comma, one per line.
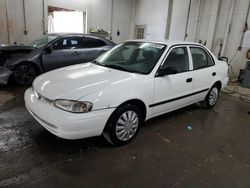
(4,75)
(225,82)
(65,124)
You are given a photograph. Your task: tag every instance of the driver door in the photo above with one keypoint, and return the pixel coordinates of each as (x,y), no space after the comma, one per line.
(172,91)
(66,51)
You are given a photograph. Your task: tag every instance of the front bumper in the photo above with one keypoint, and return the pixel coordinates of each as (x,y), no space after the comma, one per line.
(4,75)
(65,124)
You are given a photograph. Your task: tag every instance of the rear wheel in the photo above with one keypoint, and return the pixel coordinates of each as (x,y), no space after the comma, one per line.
(123,125)
(211,98)
(24,74)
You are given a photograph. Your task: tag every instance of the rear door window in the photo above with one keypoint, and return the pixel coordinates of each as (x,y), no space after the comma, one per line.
(89,42)
(201,59)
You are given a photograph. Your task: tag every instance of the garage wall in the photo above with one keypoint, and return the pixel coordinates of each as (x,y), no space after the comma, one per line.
(98,15)
(236,31)
(179,19)
(153,14)
(235,34)
(123,20)
(3,23)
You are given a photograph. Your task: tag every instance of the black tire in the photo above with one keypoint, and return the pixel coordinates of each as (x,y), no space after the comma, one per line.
(111,131)
(24,74)
(211,98)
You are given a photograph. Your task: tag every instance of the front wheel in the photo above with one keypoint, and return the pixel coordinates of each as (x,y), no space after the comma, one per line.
(211,98)
(24,74)
(123,125)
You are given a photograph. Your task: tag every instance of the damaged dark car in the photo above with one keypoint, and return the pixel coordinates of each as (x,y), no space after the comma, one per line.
(22,63)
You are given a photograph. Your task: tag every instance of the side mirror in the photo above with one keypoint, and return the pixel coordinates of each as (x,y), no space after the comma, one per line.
(223,59)
(49,49)
(166,71)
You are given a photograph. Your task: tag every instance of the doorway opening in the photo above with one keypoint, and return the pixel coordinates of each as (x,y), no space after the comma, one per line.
(61,20)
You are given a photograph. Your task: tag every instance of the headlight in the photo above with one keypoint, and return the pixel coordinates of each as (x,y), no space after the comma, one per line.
(73,106)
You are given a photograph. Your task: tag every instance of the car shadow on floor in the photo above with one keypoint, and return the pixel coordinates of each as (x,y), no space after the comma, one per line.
(47,140)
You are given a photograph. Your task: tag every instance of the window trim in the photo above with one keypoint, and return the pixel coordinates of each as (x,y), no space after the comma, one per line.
(207,55)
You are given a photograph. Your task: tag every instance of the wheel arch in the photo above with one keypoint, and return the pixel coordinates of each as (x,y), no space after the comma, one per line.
(137,102)
(38,69)
(218,84)
(31,63)
(140,104)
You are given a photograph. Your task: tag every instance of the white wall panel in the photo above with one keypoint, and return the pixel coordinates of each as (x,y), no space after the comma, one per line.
(3,23)
(154,15)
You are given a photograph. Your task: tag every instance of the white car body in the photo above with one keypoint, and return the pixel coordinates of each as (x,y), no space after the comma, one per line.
(108,88)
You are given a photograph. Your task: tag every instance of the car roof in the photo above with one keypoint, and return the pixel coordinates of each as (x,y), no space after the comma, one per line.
(75,34)
(166,42)
(82,34)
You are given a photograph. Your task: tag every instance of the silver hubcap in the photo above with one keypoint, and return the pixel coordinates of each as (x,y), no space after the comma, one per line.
(127,125)
(213,96)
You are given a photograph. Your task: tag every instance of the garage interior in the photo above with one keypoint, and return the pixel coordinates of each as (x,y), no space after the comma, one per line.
(190,147)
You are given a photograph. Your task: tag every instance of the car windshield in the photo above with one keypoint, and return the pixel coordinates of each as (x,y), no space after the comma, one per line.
(43,40)
(137,57)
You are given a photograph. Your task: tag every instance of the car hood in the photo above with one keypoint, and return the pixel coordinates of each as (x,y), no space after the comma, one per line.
(16,47)
(75,82)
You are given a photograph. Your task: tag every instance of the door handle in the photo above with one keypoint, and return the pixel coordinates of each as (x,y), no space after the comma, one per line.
(188,80)
(214,74)
(76,53)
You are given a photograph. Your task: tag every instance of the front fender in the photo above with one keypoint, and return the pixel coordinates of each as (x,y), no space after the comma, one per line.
(112,97)
(33,57)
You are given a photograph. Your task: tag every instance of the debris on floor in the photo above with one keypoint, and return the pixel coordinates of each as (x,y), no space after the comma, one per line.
(189,127)
(163,138)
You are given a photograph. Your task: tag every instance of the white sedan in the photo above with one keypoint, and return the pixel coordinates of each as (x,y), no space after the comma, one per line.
(115,94)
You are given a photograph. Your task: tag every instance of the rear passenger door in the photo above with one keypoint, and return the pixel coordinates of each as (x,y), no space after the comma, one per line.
(204,71)
(93,48)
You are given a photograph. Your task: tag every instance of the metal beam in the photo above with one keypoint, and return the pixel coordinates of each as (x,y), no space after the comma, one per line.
(169,18)
(212,22)
(188,14)
(197,20)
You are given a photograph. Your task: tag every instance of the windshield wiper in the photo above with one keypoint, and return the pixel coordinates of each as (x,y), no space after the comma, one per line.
(117,67)
(97,63)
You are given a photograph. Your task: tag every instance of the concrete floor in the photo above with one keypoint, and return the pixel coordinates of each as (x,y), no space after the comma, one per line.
(214,153)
